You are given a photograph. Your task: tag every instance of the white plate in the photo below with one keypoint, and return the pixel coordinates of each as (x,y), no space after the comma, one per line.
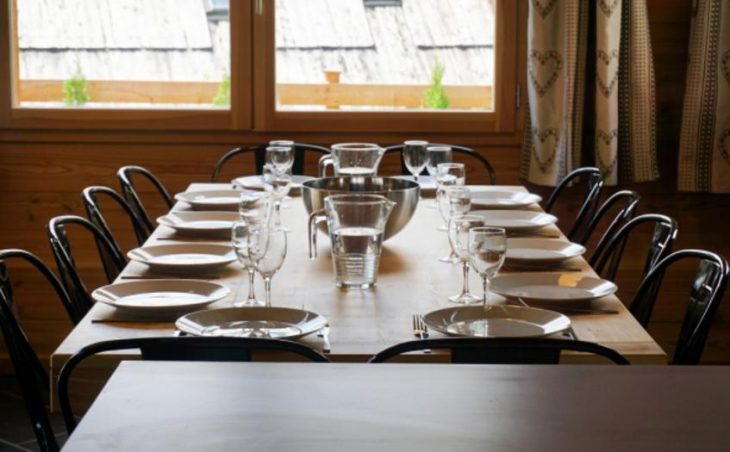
(541,250)
(160,296)
(257,182)
(552,287)
(211,199)
(495,199)
(201,224)
(515,220)
(252,322)
(184,257)
(496,321)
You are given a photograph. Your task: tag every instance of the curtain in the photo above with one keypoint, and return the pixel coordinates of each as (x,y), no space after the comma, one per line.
(704,147)
(590,91)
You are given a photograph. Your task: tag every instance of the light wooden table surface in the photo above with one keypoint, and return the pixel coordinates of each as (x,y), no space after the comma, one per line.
(403,407)
(363,322)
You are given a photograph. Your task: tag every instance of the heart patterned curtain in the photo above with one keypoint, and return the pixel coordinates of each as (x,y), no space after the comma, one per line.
(590,91)
(704,148)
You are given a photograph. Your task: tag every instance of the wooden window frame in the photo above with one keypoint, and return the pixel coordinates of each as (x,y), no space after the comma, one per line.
(237,117)
(253,95)
(502,119)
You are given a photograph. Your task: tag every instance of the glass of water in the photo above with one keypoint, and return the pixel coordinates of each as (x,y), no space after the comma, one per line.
(459,227)
(447,175)
(255,207)
(277,184)
(248,241)
(415,157)
(487,249)
(270,260)
(456,200)
(436,155)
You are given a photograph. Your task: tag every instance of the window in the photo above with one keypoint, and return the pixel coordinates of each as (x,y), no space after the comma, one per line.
(264,65)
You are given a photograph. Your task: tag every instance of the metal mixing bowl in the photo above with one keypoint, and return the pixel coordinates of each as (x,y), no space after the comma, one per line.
(404,193)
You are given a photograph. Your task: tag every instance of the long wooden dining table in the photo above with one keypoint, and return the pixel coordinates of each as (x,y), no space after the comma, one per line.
(407,407)
(411,281)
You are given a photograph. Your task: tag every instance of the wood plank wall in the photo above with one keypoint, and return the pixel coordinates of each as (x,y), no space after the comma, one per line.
(43,172)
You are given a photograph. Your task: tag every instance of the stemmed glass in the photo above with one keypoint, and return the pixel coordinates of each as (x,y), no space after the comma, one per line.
(487,249)
(447,175)
(280,157)
(415,157)
(270,261)
(455,201)
(277,184)
(249,241)
(255,207)
(459,227)
(436,155)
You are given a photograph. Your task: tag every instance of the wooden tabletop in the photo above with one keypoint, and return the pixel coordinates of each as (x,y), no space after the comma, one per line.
(401,407)
(411,280)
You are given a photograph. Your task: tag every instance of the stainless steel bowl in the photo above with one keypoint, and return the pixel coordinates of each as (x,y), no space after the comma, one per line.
(404,193)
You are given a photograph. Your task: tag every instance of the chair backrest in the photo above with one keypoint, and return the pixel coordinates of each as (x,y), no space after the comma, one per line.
(708,288)
(606,259)
(91,196)
(32,378)
(594,184)
(126,181)
(630,200)
(300,150)
(471,350)
(111,257)
(179,349)
(463,150)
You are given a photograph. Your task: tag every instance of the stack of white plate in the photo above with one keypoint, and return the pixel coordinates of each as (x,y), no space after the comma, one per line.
(211,199)
(215,225)
(184,258)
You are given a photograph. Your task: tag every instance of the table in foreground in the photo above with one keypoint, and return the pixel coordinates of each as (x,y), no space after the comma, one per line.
(302,406)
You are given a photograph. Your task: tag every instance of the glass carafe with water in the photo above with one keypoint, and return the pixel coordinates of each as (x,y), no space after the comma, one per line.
(355,224)
(352,159)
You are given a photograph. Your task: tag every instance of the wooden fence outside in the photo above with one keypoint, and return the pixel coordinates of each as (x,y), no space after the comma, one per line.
(332,95)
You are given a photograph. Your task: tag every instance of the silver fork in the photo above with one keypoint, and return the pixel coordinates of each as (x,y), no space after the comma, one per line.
(420,330)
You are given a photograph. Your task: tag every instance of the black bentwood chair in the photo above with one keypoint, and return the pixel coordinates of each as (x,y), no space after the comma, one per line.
(471,350)
(126,181)
(32,377)
(259,151)
(92,206)
(461,150)
(708,288)
(606,259)
(593,180)
(179,349)
(624,202)
(111,257)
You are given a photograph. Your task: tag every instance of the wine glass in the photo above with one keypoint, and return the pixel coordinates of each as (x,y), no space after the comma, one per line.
(280,157)
(270,261)
(456,200)
(487,249)
(459,227)
(447,175)
(277,184)
(248,241)
(436,155)
(415,157)
(255,207)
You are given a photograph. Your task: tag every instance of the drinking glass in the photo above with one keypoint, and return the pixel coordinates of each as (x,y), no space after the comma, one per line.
(248,241)
(459,227)
(436,155)
(277,184)
(270,261)
(255,207)
(447,175)
(280,157)
(487,248)
(456,200)
(415,157)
